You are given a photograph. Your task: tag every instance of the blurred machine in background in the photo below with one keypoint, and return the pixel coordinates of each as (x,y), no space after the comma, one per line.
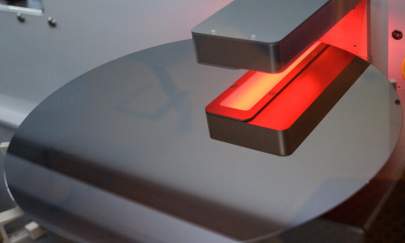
(46,43)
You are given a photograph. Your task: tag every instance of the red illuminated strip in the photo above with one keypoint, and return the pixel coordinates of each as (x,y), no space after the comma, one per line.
(247,95)
(292,100)
(254,90)
(282,112)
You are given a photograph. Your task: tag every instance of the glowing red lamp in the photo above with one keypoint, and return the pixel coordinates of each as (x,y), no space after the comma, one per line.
(274,113)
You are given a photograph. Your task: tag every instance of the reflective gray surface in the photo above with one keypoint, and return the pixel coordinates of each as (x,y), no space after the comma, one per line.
(268,21)
(124,151)
(265,35)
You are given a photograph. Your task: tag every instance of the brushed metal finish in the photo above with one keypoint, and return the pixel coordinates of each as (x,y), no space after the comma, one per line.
(124,151)
(265,35)
(396,46)
(269,21)
(378,34)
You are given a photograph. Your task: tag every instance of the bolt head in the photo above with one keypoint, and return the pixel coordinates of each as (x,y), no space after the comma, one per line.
(20,18)
(52,22)
(397,35)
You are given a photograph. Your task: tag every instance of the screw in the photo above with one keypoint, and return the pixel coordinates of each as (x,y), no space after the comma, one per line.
(52,22)
(397,35)
(20,18)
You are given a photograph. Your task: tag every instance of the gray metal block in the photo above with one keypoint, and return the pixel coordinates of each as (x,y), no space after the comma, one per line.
(265,35)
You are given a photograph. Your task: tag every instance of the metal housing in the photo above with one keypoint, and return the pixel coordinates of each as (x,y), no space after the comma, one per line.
(265,35)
